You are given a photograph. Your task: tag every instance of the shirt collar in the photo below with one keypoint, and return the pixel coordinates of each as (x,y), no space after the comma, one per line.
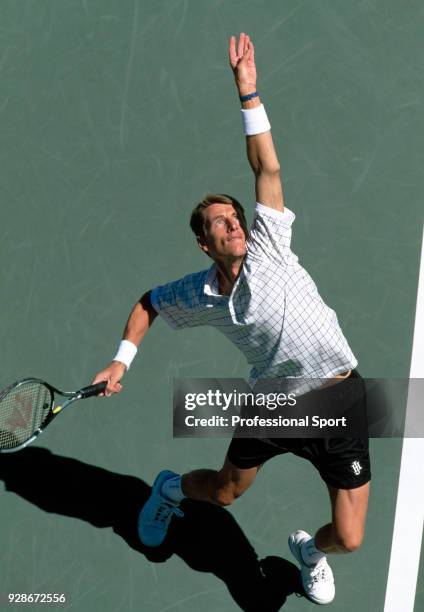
(211,286)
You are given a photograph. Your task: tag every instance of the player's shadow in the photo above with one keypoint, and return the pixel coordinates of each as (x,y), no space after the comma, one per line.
(207,538)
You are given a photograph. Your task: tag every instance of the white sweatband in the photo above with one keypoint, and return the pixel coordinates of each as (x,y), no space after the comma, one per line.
(255,120)
(126,353)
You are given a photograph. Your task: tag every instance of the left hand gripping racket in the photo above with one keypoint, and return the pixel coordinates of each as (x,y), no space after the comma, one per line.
(28,406)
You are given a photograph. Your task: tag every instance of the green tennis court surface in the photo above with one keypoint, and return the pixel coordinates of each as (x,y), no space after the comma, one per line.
(116,117)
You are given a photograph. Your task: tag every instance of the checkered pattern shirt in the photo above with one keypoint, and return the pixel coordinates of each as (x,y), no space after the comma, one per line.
(274,314)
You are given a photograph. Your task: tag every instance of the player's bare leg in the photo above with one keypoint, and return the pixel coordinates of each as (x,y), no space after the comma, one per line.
(169,489)
(221,487)
(344,534)
(346,531)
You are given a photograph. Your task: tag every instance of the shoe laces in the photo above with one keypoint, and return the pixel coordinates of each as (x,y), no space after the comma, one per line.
(165,511)
(319,573)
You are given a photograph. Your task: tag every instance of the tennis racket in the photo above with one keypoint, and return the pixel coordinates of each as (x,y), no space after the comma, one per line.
(28,406)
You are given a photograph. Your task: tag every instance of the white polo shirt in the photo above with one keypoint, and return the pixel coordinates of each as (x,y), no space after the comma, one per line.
(274,314)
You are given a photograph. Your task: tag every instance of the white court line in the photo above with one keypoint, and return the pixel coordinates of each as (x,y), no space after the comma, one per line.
(409,517)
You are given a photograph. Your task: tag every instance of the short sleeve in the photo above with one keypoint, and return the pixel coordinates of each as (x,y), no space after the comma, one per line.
(178,301)
(270,235)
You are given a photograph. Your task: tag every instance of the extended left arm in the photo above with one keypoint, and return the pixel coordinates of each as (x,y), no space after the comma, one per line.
(260,147)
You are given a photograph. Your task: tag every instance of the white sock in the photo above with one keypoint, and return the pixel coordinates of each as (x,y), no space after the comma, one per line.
(310,553)
(171,489)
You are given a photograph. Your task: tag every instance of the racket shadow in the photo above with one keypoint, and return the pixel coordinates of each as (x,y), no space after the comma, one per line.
(207,538)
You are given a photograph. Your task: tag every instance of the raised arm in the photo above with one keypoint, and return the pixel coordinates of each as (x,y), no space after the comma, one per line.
(260,147)
(141,318)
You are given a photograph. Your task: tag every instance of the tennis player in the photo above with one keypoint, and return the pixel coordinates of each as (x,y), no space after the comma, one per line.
(258,295)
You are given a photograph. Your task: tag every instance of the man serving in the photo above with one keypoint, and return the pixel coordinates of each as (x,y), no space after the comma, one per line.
(259,296)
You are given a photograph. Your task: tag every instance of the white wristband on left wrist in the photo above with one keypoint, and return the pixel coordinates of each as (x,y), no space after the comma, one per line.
(126,352)
(255,120)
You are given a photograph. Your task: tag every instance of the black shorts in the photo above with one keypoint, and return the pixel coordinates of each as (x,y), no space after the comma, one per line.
(343,463)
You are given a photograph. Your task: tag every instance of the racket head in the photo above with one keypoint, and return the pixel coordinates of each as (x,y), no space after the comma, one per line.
(25,408)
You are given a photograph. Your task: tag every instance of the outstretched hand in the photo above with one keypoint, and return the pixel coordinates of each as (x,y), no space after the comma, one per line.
(242,61)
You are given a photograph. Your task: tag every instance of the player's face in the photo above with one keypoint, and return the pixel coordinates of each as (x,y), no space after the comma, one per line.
(223,233)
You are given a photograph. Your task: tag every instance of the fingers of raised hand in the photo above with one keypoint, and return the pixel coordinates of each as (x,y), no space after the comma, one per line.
(251,51)
(244,48)
(246,44)
(232,52)
(241,44)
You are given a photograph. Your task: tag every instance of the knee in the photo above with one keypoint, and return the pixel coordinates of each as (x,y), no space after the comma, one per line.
(225,496)
(230,483)
(350,542)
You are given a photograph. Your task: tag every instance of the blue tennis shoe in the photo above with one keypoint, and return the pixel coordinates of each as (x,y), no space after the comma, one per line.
(157,512)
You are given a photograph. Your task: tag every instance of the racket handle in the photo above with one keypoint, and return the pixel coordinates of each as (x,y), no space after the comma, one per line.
(93,389)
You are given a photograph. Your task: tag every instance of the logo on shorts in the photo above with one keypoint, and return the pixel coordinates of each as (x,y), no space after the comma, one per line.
(356,467)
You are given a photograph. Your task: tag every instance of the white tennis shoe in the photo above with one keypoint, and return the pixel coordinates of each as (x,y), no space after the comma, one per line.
(317,580)
(157,512)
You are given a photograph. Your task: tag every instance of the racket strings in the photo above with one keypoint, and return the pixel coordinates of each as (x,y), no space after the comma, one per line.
(22,411)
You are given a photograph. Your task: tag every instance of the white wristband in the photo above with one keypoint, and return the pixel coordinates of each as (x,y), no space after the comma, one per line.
(126,353)
(255,120)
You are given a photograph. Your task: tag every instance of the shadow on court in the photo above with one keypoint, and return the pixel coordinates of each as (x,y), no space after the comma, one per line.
(207,538)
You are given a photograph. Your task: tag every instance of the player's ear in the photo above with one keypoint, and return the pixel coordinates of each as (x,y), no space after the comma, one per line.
(201,242)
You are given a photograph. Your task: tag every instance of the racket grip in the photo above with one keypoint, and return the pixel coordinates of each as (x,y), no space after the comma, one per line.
(93,389)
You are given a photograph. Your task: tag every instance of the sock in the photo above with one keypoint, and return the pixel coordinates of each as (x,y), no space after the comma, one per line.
(171,489)
(310,553)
